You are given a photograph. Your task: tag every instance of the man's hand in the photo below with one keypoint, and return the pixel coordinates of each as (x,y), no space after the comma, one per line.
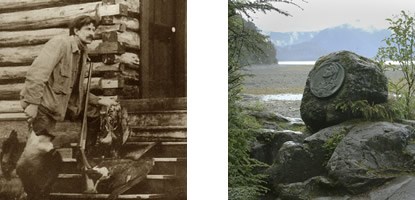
(31,112)
(24,104)
(107,102)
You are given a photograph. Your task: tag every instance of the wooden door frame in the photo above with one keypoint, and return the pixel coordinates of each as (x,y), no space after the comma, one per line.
(145,18)
(180,59)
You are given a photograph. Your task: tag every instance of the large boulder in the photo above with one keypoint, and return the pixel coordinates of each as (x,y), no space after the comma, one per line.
(337,78)
(294,164)
(372,153)
(322,188)
(318,187)
(351,160)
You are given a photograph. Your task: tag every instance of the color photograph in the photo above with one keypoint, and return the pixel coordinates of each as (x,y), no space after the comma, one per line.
(321,99)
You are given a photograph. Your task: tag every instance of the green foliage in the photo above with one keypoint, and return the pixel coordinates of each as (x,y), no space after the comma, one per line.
(331,143)
(390,111)
(243,40)
(400,47)
(242,130)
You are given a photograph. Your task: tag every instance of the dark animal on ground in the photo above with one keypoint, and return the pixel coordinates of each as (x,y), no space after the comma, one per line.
(11,150)
(10,185)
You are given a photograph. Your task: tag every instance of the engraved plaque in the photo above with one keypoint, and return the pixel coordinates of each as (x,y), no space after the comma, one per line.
(326,80)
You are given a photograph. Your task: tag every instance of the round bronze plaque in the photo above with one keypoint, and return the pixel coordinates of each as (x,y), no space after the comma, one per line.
(326,80)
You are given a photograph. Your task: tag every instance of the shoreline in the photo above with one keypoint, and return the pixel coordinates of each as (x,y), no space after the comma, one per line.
(277,79)
(287,108)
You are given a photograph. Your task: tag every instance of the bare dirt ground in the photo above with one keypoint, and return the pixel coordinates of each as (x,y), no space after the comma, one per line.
(281,79)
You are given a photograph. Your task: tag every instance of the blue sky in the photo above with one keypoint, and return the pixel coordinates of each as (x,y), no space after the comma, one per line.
(319,14)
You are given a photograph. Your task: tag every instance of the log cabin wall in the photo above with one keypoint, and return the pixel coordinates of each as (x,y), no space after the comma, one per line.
(25,25)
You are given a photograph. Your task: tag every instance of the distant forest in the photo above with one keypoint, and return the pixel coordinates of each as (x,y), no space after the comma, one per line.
(265,45)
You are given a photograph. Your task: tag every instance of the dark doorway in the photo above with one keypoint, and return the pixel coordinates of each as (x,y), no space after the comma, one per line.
(163,48)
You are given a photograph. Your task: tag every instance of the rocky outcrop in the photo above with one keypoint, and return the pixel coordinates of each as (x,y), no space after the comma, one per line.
(351,160)
(337,78)
(372,153)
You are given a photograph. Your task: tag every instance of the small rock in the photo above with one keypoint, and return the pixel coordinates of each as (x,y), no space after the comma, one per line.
(270,141)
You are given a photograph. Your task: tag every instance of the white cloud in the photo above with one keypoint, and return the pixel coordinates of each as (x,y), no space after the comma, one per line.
(319,14)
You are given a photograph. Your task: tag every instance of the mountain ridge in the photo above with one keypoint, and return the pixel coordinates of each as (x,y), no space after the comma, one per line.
(305,46)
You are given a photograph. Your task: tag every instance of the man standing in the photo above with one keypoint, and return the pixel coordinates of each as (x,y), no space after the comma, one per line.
(54,89)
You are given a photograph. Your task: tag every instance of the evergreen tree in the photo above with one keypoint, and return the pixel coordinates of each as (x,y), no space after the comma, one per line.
(243,39)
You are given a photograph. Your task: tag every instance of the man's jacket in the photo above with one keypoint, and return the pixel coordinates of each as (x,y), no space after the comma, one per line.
(51,77)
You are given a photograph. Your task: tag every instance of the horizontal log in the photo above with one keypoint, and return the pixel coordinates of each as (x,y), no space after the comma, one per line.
(109,36)
(162,118)
(55,17)
(24,55)
(145,105)
(18,74)
(115,98)
(46,17)
(103,83)
(110,83)
(157,135)
(31,37)
(108,28)
(101,67)
(130,22)
(13,106)
(128,39)
(10,107)
(19,5)
(10,91)
(14,56)
(108,48)
(111,10)
(133,5)
(130,76)
(13,74)
(20,116)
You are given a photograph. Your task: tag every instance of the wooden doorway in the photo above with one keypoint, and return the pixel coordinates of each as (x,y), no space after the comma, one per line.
(163,48)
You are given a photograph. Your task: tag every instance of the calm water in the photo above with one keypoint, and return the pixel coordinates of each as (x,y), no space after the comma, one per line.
(282,97)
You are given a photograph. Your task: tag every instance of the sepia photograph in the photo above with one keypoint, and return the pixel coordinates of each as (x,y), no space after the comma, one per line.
(93,99)
(321,99)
